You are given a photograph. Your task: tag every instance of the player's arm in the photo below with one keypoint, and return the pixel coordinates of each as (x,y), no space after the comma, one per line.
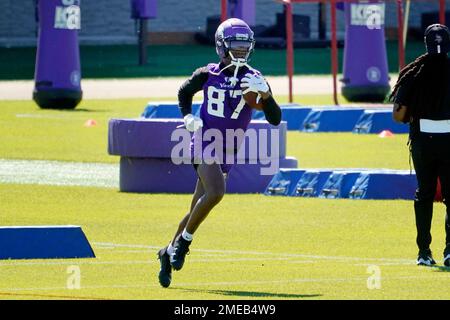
(259,85)
(272,110)
(403,99)
(189,88)
(399,114)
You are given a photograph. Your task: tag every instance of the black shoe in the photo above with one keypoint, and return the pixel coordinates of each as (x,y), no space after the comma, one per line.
(425,258)
(165,273)
(447,256)
(180,249)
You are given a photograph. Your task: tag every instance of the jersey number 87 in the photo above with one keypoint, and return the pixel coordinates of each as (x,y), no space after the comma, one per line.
(216,99)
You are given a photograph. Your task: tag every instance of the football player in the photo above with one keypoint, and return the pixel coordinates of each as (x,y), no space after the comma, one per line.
(224,107)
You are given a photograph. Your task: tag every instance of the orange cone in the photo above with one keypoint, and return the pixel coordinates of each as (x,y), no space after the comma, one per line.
(385,134)
(90,123)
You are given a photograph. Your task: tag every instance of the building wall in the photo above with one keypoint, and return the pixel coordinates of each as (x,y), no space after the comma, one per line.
(108,21)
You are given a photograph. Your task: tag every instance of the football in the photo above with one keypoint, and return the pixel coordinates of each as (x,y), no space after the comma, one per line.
(250,99)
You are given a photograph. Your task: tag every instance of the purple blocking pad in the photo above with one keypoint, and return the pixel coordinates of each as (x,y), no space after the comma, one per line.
(150,175)
(155,175)
(365,60)
(151,138)
(147,164)
(247,178)
(142,138)
(57,71)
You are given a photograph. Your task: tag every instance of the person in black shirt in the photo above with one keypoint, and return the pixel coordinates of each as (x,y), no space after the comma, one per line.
(421,98)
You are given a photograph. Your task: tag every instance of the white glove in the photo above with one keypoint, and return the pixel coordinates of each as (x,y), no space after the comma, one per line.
(192,123)
(254,83)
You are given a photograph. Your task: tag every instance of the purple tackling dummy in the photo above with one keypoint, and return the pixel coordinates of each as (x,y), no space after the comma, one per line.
(143,9)
(57,72)
(242,9)
(365,62)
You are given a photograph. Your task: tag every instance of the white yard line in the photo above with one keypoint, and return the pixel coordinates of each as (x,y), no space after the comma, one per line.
(151,260)
(226,256)
(280,254)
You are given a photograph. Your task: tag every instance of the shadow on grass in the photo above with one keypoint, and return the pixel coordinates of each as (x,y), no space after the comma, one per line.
(75,110)
(252,293)
(84,110)
(440,268)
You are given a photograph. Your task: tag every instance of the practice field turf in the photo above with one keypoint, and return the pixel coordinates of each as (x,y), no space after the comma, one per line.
(28,132)
(250,247)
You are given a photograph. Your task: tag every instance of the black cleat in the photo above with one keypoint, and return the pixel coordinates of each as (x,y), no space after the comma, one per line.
(180,249)
(447,260)
(165,273)
(425,258)
(447,256)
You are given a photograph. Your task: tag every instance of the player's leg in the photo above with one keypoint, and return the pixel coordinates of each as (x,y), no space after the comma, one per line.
(445,189)
(444,176)
(426,173)
(199,191)
(213,181)
(165,272)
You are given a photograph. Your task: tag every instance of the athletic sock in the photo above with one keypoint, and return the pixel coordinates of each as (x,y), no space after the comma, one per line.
(186,235)
(169,249)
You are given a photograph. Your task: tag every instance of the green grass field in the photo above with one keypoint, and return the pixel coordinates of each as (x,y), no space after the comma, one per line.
(250,247)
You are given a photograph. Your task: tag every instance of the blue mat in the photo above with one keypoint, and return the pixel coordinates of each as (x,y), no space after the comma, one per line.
(258,115)
(306,118)
(344,183)
(284,182)
(293,114)
(331,119)
(375,121)
(44,242)
(339,184)
(385,184)
(168,110)
(311,182)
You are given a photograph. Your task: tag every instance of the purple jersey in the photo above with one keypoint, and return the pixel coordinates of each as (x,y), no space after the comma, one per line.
(223,108)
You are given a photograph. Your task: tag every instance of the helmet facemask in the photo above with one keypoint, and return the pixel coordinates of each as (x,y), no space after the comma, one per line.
(234,40)
(239,51)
